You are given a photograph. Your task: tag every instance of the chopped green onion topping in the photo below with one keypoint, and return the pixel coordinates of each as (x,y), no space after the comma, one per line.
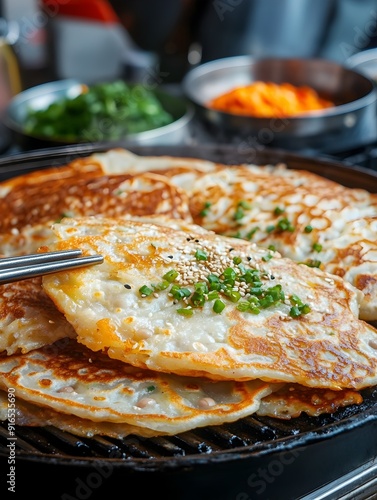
(214,282)
(308,229)
(218,306)
(179,293)
(170,276)
(267,257)
(240,285)
(206,208)
(201,287)
(243,306)
(244,204)
(294,312)
(254,310)
(312,263)
(161,286)
(185,311)
(145,290)
(279,210)
(239,214)
(200,255)
(213,295)
(317,247)
(285,225)
(298,307)
(198,299)
(240,210)
(251,233)
(232,295)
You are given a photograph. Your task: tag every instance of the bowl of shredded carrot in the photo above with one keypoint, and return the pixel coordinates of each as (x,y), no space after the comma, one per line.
(270,100)
(296,104)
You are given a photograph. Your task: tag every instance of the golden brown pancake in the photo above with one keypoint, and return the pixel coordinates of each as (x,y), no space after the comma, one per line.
(30,208)
(111,396)
(29,318)
(199,304)
(287,402)
(67,386)
(31,203)
(31,415)
(304,216)
(291,400)
(327,349)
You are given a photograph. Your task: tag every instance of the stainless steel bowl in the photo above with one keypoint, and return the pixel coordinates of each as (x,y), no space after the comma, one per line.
(364,62)
(351,123)
(42,96)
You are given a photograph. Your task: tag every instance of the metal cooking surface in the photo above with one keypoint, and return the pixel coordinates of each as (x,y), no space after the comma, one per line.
(263,458)
(360,484)
(255,433)
(256,457)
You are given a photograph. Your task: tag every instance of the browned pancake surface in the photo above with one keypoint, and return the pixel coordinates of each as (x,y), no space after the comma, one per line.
(327,347)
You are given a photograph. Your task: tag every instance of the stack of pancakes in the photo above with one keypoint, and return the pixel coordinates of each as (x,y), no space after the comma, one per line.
(224,292)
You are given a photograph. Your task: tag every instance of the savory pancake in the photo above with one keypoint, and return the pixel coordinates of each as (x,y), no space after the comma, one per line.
(298,213)
(119,161)
(322,224)
(286,402)
(291,400)
(67,386)
(201,304)
(304,216)
(31,203)
(31,415)
(68,378)
(29,208)
(29,318)
(69,171)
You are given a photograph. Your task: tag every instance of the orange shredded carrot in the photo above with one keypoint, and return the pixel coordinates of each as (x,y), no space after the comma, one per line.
(270,100)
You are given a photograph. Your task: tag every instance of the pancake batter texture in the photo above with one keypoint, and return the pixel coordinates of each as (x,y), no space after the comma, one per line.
(225,291)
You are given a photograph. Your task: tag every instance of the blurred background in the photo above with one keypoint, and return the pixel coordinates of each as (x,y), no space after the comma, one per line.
(156,43)
(96,40)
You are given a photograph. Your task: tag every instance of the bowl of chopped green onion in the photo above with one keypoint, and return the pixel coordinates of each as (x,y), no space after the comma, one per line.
(70,112)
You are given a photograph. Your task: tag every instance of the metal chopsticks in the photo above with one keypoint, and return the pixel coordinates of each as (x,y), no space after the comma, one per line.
(28,266)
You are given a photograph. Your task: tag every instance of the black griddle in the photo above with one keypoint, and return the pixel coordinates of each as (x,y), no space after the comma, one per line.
(253,458)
